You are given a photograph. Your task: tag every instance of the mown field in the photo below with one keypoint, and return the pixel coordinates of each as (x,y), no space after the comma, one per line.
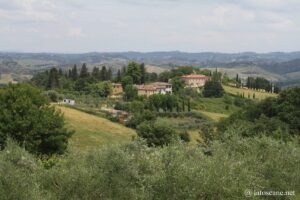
(258,94)
(92,131)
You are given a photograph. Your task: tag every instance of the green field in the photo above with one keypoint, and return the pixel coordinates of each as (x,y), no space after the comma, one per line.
(214,116)
(92,132)
(258,94)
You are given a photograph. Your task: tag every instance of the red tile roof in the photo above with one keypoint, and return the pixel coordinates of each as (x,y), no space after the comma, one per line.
(153,86)
(200,76)
(145,87)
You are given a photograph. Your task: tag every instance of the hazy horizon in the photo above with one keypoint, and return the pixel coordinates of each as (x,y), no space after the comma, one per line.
(145,52)
(220,26)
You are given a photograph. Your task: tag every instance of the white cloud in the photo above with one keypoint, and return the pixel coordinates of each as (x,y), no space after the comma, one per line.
(76,32)
(121,25)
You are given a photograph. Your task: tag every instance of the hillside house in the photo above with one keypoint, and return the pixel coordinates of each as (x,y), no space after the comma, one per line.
(68,102)
(154,88)
(195,80)
(117,88)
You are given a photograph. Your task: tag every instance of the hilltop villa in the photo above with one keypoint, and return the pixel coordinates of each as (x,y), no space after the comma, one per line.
(195,80)
(154,88)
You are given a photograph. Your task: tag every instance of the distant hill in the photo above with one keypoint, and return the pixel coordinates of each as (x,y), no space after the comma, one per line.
(277,66)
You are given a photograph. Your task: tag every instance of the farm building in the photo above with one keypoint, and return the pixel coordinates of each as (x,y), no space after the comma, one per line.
(195,80)
(68,102)
(154,88)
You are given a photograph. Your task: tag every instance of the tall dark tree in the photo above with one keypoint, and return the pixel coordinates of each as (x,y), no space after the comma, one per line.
(119,76)
(189,105)
(127,80)
(103,73)
(134,71)
(96,73)
(152,77)
(177,84)
(53,80)
(109,74)
(84,73)
(60,72)
(213,89)
(74,73)
(143,73)
(130,93)
(70,73)
(123,72)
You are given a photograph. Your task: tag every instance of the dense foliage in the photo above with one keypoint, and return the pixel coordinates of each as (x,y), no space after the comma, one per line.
(136,171)
(156,133)
(278,117)
(213,89)
(261,83)
(27,117)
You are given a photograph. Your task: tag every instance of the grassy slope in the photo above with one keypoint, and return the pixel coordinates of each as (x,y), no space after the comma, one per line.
(215,108)
(92,131)
(214,116)
(258,95)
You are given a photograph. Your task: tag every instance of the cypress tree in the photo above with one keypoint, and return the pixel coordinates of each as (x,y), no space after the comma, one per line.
(53,80)
(103,73)
(119,77)
(74,75)
(109,74)
(96,73)
(84,71)
(143,73)
(189,105)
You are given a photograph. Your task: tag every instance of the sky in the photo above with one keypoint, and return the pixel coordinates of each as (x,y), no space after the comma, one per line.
(77,26)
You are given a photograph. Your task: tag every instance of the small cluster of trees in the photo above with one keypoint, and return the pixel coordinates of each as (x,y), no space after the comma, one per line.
(276,117)
(213,87)
(168,103)
(73,80)
(183,70)
(27,117)
(261,83)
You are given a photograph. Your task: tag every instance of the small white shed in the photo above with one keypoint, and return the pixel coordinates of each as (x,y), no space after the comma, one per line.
(69,101)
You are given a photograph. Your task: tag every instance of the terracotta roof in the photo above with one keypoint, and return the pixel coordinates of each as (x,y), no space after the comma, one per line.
(145,87)
(160,84)
(194,76)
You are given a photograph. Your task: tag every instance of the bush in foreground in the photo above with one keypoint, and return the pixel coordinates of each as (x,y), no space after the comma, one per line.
(136,171)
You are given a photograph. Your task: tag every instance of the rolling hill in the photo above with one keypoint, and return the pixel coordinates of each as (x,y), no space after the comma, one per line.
(92,132)
(280,67)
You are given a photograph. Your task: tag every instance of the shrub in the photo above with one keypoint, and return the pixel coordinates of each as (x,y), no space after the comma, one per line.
(136,171)
(52,95)
(27,117)
(156,133)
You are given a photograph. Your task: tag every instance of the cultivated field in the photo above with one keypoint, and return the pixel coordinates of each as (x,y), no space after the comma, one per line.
(92,131)
(258,95)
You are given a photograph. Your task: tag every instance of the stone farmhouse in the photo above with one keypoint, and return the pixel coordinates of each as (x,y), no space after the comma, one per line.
(195,80)
(154,88)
